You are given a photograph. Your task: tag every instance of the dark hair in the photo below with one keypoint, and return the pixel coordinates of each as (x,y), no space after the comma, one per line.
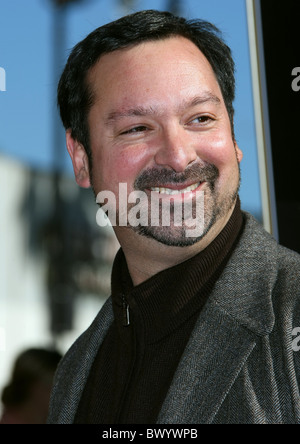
(31,366)
(75,95)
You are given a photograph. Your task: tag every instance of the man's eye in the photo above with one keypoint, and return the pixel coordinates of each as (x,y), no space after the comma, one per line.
(136,129)
(201,119)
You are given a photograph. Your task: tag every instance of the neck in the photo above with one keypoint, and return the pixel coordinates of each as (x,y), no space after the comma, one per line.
(146,257)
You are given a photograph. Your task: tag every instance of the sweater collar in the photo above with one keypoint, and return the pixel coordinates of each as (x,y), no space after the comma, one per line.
(168,299)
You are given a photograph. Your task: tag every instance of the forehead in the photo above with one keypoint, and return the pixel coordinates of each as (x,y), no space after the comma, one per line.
(158,70)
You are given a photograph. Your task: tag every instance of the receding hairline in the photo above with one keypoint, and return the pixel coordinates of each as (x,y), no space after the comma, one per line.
(90,83)
(75,93)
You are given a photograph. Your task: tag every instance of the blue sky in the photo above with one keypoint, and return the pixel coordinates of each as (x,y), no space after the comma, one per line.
(28,105)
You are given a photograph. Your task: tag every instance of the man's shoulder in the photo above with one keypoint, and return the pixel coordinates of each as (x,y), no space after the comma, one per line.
(89,340)
(257,238)
(288,281)
(289,259)
(276,260)
(73,371)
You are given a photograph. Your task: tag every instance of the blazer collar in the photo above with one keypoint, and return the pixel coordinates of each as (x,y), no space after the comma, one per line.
(237,313)
(245,288)
(213,359)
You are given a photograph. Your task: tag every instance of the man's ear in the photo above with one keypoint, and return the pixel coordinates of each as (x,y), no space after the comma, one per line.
(79,160)
(239,152)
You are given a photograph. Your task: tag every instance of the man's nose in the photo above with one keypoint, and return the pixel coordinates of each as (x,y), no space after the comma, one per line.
(175,150)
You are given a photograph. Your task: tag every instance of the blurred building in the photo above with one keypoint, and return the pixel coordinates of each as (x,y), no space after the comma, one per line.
(39,284)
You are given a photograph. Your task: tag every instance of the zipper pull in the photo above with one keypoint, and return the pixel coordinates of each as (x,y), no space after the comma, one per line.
(126,319)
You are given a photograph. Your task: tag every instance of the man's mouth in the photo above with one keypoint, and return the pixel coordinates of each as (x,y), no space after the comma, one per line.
(177,190)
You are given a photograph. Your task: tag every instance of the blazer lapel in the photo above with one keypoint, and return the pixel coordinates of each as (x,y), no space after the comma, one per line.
(238,312)
(213,358)
(74,370)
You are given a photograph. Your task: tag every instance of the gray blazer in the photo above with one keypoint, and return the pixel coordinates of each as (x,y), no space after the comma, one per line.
(241,365)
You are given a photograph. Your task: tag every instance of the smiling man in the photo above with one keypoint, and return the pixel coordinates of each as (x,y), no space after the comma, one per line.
(198,329)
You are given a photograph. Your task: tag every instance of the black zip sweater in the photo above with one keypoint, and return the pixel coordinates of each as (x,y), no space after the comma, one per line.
(137,360)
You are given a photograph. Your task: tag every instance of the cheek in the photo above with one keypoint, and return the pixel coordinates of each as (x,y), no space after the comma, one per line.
(218,150)
(119,165)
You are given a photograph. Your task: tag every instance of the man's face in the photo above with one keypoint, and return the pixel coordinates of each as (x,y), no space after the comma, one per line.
(159,124)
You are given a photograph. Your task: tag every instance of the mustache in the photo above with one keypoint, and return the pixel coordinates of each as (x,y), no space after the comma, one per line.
(154,177)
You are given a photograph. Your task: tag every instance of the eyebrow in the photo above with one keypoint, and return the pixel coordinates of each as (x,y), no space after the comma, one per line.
(141,111)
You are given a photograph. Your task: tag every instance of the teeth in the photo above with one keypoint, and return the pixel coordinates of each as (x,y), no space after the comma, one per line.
(162,190)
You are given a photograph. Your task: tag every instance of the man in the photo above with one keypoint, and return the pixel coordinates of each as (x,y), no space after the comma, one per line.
(199,329)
